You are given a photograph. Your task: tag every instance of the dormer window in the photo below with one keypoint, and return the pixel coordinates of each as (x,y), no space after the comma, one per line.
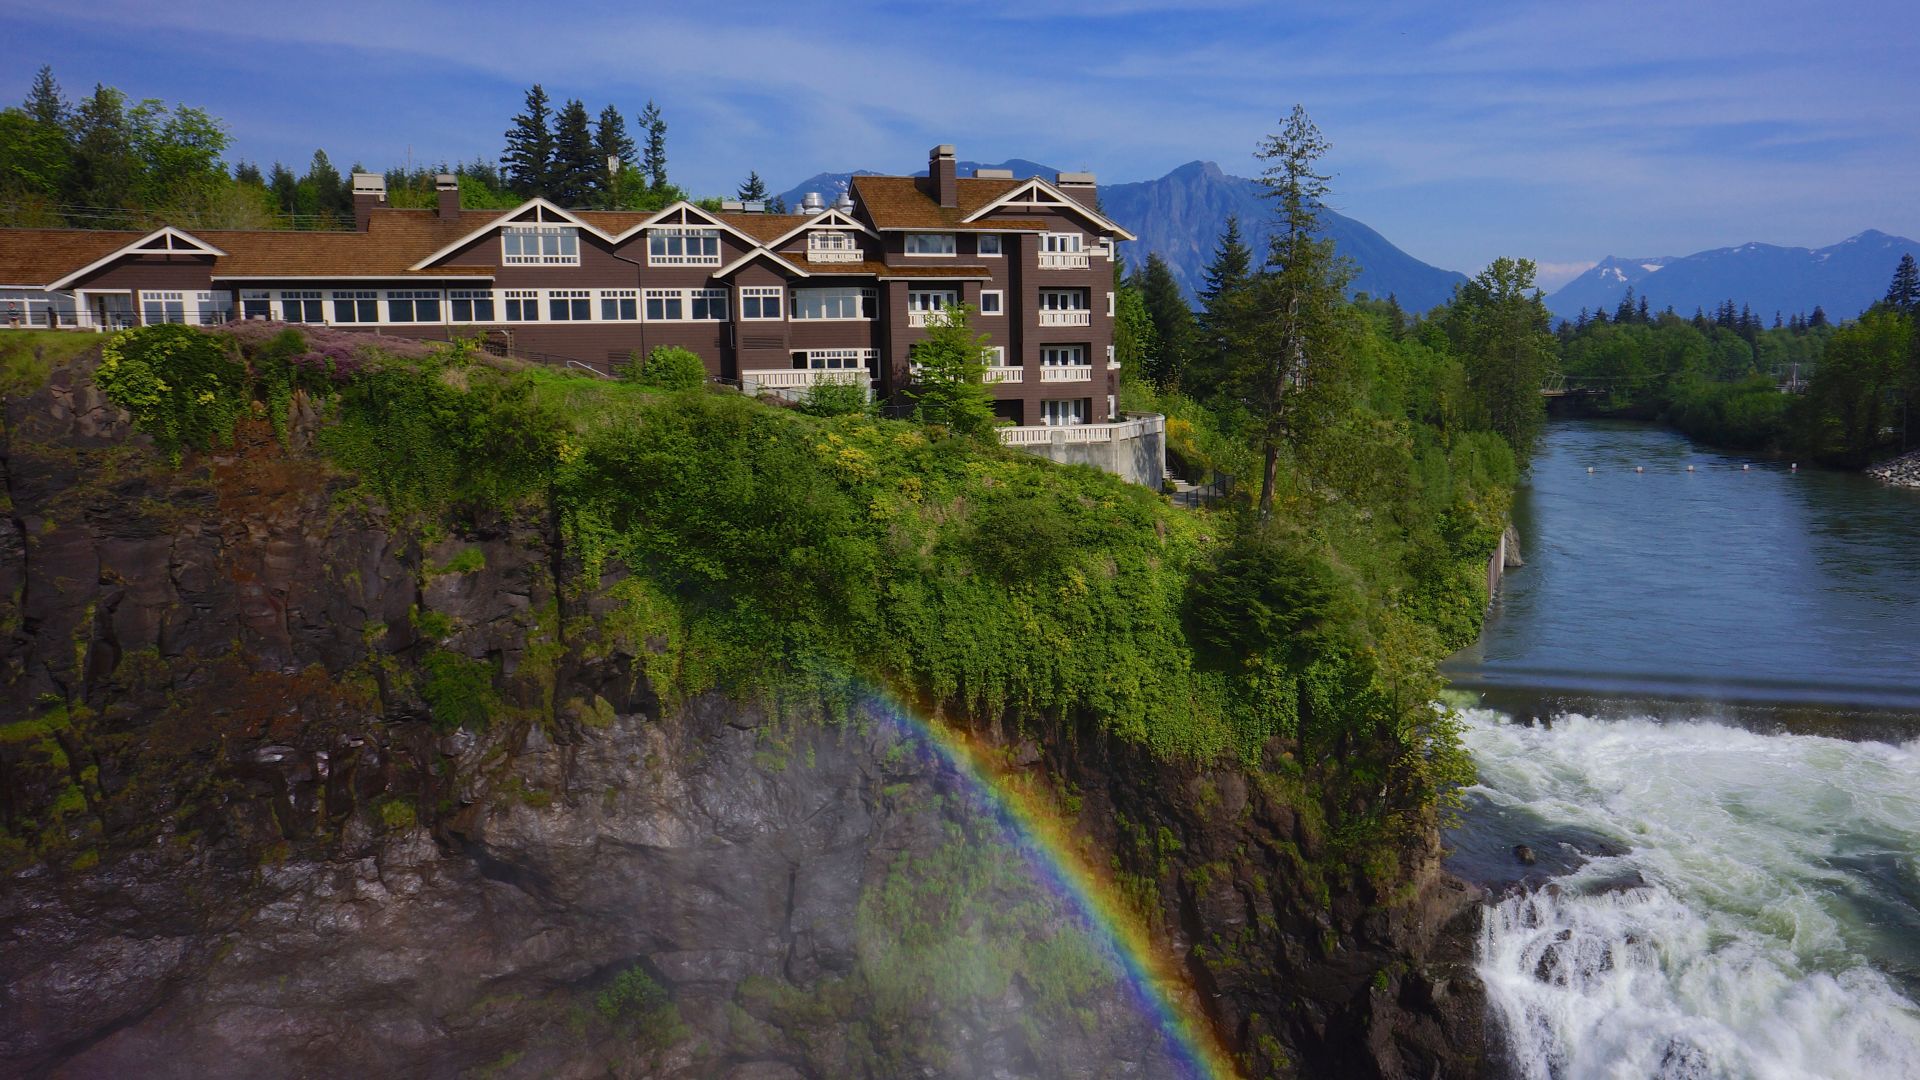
(683,247)
(990,243)
(540,245)
(930,243)
(832,245)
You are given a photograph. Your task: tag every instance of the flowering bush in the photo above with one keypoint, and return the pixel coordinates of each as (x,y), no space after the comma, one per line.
(183,387)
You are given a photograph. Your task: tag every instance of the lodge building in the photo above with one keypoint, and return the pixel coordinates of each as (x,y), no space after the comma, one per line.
(770,302)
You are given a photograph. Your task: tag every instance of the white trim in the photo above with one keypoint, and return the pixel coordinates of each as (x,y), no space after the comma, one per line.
(999,240)
(537,205)
(953,243)
(139,247)
(659,218)
(755,254)
(351,277)
(1000,305)
(777,293)
(1066,202)
(818,221)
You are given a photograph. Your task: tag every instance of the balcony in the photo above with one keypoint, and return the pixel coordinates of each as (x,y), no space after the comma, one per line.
(777,379)
(1064,260)
(1066,318)
(1005,374)
(926,318)
(833,255)
(1066,373)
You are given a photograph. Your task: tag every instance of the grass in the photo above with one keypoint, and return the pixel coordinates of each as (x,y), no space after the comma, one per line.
(27,357)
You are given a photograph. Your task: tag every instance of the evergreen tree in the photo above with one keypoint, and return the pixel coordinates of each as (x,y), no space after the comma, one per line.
(1581,322)
(1904,292)
(1498,324)
(1641,312)
(577,168)
(1135,345)
(248,173)
(45,104)
(528,158)
(1223,300)
(1624,313)
(653,160)
(283,186)
(1172,320)
(105,173)
(1776,320)
(1818,319)
(778,205)
(1287,350)
(752,189)
(610,140)
(322,196)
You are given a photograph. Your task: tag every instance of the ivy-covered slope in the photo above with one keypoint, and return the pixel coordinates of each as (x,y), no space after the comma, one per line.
(284,601)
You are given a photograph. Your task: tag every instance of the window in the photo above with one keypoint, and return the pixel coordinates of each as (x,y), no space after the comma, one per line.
(990,244)
(835,303)
(1113,408)
(997,356)
(683,247)
(256,304)
(413,306)
(1055,243)
(215,307)
(1109,305)
(356,307)
(665,305)
(163,307)
(832,245)
(929,300)
(929,243)
(523,305)
(1063,300)
(471,305)
(302,307)
(569,305)
(540,245)
(619,305)
(837,359)
(1111,362)
(709,303)
(1063,355)
(1064,413)
(992,302)
(760,301)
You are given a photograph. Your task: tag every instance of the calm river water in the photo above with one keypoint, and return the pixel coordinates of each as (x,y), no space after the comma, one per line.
(1724,798)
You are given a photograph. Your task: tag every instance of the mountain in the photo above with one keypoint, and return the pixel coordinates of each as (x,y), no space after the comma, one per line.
(1844,278)
(1181,214)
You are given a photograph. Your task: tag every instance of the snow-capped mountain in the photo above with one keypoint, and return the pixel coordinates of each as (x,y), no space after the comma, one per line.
(1844,278)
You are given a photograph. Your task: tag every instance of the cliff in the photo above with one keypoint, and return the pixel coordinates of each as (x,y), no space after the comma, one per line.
(297,783)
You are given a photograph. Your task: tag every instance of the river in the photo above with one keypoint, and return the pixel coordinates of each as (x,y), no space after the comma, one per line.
(1721,785)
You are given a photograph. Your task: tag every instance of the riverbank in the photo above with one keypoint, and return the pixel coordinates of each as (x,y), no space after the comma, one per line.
(1903,471)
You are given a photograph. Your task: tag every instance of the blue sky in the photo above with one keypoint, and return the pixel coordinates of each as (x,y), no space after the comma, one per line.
(1560,132)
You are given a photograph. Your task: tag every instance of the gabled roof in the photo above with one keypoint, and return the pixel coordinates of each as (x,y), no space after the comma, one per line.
(1038,193)
(825,219)
(766,229)
(897,203)
(686,212)
(34,257)
(758,253)
(165,240)
(542,211)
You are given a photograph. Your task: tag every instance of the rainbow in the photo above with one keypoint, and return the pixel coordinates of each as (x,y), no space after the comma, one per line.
(1035,831)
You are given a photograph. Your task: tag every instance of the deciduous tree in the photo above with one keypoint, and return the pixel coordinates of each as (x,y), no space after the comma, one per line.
(1498,323)
(949,387)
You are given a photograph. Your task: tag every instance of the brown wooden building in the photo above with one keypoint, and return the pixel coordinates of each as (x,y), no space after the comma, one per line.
(773,302)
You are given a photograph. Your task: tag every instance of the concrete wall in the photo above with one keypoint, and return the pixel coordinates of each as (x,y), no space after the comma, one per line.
(1139,459)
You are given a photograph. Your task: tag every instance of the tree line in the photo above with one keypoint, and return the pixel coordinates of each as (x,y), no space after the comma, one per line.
(108,161)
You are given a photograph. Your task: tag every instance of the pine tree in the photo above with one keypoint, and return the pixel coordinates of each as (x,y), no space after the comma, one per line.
(1904,292)
(1223,302)
(610,140)
(1581,322)
(1172,321)
(284,186)
(752,189)
(1641,312)
(1624,313)
(1776,320)
(106,171)
(44,103)
(653,160)
(1498,323)
(248,173)
(576,168)
(528,158)
(1818,319)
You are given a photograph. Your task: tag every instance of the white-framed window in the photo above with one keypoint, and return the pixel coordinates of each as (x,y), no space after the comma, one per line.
(997,356)
(619,305)
(837,359)
(470,305)
(256,304)
(540,245)
(1063,355)
(992,302)
(163,307)
(930,243)
(569,305)
(1113,408)
(835,303)
(707,303)
(1063,300)
(523,305)
(413,305)
(301,306)
(930,300)
(1109,305)
(666,305)
(1056,243)
(1111,361)
(1058,413)
(760,302)
(356,306)
(989,244)
(833,245)
(683,247)
(215,307)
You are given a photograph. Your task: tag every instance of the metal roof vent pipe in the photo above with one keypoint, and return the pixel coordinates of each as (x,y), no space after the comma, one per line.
(812,203)
(446,187)
(845,203)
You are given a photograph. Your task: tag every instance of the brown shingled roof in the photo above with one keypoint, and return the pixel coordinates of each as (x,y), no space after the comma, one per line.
(896,202)
(38,256)
(766,228)
(394,241)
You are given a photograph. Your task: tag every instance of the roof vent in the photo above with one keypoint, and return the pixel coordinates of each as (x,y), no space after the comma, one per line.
(369,183)
(445,180)
(732,206)
(993,174)
(811,203)
(754,206)
(1073,178)
(845,203)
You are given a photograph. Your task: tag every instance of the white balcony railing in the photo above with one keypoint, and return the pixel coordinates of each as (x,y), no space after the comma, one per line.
(1066,373)
(1040,434)
(1066,318)
(1064,260)
(926,318)
(826,255)
(800,378)
(1005,374)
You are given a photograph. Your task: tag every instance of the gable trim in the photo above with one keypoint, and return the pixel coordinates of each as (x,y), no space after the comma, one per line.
(506,220)
(1066,203)
(819,221)
(690,208)
(139,247)
(758,253)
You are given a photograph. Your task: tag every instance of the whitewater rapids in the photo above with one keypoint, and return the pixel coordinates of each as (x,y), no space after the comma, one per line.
(1753,910)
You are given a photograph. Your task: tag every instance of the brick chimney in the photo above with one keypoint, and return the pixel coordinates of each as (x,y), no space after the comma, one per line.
(447,187)
(369,191)
(943,175)
(1080,187)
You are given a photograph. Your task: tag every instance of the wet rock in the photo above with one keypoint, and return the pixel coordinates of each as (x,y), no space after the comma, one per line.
(1523,854)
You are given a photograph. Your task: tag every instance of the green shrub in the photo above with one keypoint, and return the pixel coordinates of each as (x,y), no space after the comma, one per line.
(458,690)
(639,1008)
(836,399)
(184,388)
(667,367)
(467,561)
(397,814)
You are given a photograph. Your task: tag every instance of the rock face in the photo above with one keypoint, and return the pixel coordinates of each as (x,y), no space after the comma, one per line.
(1903,471)
(237,844)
